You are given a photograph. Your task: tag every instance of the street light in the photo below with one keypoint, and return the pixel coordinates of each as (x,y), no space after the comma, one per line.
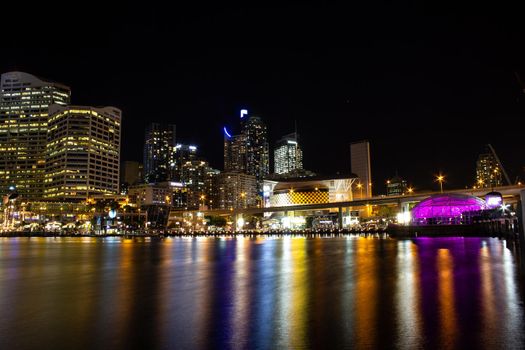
(440,178)
(360,186)
(410,190)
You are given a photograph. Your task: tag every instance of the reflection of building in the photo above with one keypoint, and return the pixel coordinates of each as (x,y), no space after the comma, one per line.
(236,190)
(360,161)
(312,190)
(162,193)
(288,155)
(159,144)
(83,152)
(248,152)
(489,172)
(24,102)
(396,186)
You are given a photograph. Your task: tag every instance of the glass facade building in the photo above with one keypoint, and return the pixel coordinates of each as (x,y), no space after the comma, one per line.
(24,116)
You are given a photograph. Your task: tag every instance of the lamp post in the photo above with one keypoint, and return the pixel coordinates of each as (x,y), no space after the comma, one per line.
(440,178)
(360,186)
(243,196)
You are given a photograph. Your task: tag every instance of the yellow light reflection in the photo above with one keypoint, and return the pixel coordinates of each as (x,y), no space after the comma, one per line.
(408,295)
(447,311)
(366,294)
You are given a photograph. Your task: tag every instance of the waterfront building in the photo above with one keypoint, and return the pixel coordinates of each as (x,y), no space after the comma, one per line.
(237,190)
(166,193)
(24,114)
(309,190)
(360,165)
(83,152)
(396,186)
(489,170)
(159,145)
(288,156)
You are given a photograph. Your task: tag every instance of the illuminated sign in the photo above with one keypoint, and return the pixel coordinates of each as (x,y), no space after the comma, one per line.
(227,133)
(193,148)
(243,112)
(112,214)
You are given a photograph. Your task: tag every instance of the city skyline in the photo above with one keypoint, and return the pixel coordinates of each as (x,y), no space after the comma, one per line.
(402,90)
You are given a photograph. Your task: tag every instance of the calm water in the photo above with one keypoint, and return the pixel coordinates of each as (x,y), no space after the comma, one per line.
(266,293)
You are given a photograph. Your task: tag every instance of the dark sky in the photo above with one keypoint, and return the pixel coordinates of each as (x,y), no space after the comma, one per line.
(427,86)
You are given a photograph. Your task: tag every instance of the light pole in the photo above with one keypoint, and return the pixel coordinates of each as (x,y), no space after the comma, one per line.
(360,186)
(440,178)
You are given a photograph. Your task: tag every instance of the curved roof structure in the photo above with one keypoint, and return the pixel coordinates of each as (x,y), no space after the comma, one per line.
(445,208)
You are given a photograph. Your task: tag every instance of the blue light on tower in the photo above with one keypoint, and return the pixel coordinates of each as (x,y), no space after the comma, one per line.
(227,133)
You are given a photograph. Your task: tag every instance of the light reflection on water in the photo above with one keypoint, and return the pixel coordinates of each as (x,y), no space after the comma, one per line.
(245,293)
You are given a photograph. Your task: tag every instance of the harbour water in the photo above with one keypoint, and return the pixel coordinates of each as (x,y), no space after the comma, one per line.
(260,293)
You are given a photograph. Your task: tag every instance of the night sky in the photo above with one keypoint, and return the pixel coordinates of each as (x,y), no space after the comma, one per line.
(427,87)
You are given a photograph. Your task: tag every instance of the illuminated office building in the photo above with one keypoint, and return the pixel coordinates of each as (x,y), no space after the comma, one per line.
(24,113)
(234,152)
(194,174)
(159,146)
(83,152)
(288,155)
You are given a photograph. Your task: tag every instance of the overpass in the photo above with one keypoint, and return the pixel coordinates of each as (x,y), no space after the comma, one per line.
(509,193)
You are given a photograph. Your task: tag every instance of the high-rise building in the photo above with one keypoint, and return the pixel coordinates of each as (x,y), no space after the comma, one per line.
(181,155)
(257,148)
(83,152)
(159,145)
(234,152)
(24,114)
(288,156)
(236,190)
(248,152)
(211,185)
(360,164)
(194,174)
(489,170)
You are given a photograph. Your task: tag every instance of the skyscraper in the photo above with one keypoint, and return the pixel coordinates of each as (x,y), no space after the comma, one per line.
(159,145)
(24,113)
(248,152)
(288,155)
(83,152)
(255,135)
(181,155)
(360,165)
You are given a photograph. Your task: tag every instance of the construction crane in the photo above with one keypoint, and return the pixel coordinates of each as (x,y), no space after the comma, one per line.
(499,163)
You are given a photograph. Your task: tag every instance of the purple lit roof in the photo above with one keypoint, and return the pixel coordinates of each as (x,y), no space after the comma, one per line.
(446,206)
